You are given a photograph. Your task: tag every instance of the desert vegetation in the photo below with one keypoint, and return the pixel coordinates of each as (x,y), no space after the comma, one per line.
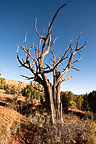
(33,117)
(39,112)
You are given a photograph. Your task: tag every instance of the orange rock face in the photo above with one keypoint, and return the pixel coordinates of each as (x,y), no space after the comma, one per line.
(17,84)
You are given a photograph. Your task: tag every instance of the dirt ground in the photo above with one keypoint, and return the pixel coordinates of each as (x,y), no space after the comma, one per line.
(17,129)
(14,127)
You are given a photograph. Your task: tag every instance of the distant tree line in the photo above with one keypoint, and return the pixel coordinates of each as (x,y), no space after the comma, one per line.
(86,102)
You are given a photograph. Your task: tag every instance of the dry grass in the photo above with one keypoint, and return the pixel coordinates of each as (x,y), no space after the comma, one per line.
(17,129)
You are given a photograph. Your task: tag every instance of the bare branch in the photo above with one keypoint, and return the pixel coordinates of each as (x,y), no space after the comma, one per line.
(67,79)
(48,47)
(48,36)
(68,67)
(77,43)
(36,51)
(53,41)
(83,45)
(76,61)
(22,64)
(51,61)
(22,59)
(28,78)
(54,59)
(47,65)
(62,58)
(33,59)
(50,25)
(41,37)
(75,68)
(39,48)
(26,37)
(58,62)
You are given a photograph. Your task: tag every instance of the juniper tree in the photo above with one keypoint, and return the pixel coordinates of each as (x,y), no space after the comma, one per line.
(39,68)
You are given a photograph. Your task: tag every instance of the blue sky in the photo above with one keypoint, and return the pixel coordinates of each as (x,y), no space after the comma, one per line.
(18,17)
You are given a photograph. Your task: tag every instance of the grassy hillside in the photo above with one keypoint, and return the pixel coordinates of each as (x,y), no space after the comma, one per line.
(24,120)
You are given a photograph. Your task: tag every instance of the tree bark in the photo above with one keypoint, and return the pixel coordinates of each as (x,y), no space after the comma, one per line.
(36,66)
(54,106)
(50,105)
(59,104)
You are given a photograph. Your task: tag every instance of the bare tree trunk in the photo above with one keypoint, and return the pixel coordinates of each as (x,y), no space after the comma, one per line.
(59,104)
(39,70)
(47,99)
(50,105)
(54,106)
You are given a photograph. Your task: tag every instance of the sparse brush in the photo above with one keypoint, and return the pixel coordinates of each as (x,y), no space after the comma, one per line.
(69,132)
(92,137)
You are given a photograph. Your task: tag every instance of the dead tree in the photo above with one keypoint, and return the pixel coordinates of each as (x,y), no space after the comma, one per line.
(40,69)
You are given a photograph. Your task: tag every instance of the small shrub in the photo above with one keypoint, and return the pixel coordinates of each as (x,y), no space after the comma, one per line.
(85,104)
(10,89)
(92,137)
(2,82)
(92,101)
(30,92)
(13,90)
(71,131)
(7,88)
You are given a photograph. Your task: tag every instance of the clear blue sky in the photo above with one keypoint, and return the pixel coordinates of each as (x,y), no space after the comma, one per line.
(18,17)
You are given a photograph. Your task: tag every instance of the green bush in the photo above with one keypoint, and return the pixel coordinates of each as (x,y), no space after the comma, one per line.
(89,102)
(7,88)
(2,83)
(70,99)
(92,101)
(10,89)
(13,90)
(27,91)
(30,92)
(64,100)
(85,104)
(79,101)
